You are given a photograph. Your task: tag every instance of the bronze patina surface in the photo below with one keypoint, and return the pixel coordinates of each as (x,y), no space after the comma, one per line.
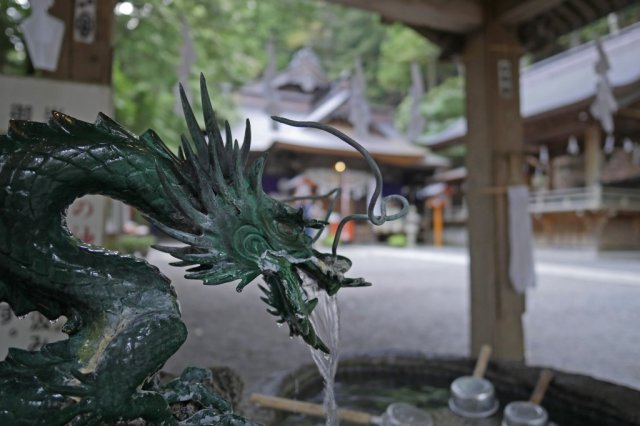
(123,316)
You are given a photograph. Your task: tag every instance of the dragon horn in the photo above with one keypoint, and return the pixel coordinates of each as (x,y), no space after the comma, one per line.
(210,122)
(193,126)
(229,151)
(255,173)
(216,145)
(246,142)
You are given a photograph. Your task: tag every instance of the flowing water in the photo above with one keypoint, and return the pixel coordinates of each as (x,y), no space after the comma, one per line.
(325,319)
(374,395)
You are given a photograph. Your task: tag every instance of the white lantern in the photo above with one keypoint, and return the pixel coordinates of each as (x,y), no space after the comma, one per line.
(44,36)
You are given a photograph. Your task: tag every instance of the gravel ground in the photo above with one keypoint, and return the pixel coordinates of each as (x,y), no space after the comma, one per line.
(583,316)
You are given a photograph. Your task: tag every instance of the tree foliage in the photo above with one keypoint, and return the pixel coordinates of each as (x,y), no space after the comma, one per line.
(13,58)
(230,38)
(400,48)
(443,105)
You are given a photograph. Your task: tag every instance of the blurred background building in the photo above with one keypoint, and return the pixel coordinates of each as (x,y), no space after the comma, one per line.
(584,183)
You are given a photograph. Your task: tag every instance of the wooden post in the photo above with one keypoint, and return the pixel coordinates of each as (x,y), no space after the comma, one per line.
(494,153)
(437,206)
(592,156)
(85,62)
(438,225)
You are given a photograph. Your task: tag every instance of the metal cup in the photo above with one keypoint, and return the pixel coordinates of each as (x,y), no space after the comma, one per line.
(473,397)
(401,414)
(524,413)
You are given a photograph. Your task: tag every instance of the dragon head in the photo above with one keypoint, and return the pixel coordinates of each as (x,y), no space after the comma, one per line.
(234,231)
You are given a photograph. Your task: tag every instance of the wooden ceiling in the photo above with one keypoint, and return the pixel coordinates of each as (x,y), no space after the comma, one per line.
(446,22)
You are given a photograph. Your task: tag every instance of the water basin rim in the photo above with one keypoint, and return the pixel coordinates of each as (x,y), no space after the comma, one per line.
(582,392)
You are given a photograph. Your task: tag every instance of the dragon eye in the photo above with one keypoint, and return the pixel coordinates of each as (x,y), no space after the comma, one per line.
(286,228)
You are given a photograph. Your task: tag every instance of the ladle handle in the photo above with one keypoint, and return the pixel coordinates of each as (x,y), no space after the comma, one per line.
(317,410)
(483,361)
(541,387)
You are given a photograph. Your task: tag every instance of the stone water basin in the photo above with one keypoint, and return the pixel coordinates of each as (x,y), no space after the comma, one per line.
(371,382)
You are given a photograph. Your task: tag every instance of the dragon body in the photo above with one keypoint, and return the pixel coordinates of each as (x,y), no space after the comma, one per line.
(123,316)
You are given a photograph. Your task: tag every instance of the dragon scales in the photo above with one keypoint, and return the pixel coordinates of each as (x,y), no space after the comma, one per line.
(123,319)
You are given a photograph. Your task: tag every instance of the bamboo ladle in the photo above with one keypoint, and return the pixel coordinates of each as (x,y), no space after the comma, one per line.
(408,413)
(311,409)
(474,396)
(530,413)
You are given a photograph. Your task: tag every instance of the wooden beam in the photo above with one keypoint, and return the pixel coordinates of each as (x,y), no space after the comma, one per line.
(449,43)
(557,24)
(398,160)
(494,158)
(570,16)
(517,11)
(584,9)
(553,130)
(630,112)
(454,16)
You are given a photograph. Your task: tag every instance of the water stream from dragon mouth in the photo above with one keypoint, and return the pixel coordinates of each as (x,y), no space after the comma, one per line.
(325,319)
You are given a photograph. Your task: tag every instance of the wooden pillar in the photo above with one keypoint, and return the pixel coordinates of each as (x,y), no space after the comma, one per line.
(436,205)
(494,158)
(85,62)
(592,155)
(438,225)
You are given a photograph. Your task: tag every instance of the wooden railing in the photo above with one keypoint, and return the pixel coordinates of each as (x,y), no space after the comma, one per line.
(567,200)
(585,199)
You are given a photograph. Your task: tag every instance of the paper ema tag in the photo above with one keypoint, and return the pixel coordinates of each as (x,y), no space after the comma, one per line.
(84,21)
(505,79)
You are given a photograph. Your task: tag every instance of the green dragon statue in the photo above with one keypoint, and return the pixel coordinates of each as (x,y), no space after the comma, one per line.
(123,319)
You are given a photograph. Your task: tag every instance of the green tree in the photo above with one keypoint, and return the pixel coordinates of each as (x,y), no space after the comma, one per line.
(229,39)
(443,105)
(346,35)
(13,57)
(400,48)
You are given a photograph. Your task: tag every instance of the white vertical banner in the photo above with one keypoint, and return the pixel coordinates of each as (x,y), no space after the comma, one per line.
(86,219)
(521,263)
(30,332)
(28,98)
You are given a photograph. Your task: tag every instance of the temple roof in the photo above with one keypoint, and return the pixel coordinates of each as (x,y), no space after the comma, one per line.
(304,71)
(391,150)
(317,99)
(566,79)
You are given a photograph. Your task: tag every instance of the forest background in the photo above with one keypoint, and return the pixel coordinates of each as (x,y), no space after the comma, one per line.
(230,38)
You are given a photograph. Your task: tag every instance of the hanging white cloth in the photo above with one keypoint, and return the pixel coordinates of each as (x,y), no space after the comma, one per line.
(521,266)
